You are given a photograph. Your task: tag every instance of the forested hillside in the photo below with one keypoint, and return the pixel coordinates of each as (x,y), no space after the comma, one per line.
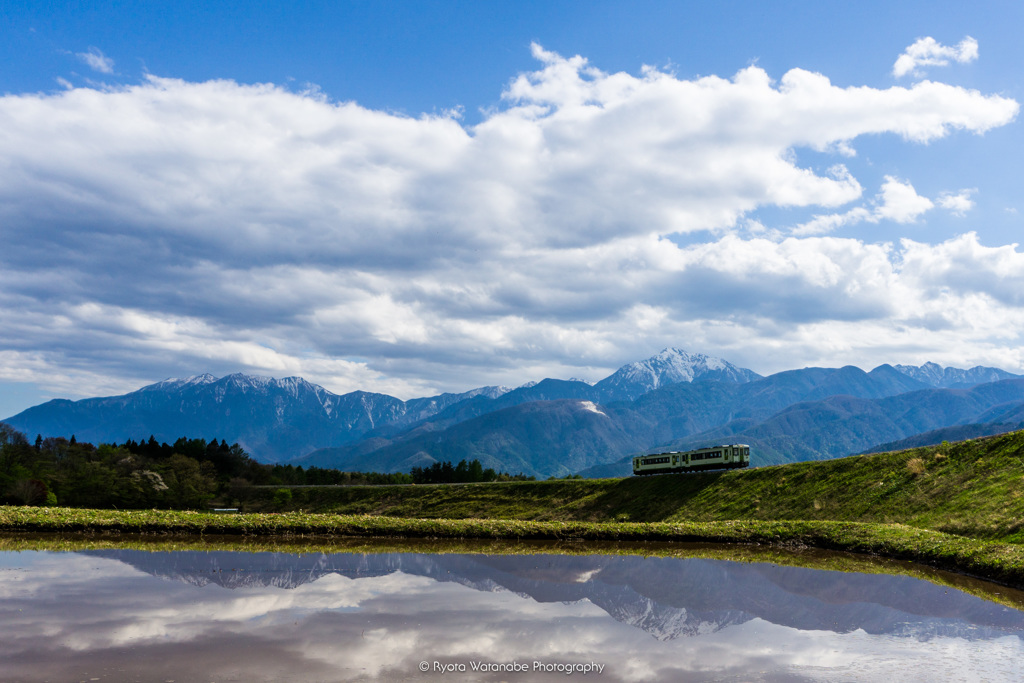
(186,474)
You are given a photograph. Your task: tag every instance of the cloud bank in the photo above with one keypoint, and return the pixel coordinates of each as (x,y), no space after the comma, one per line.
(172,227)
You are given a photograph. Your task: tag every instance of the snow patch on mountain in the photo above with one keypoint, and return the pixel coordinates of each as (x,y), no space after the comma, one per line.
(592,407)
(488,392)
(179,382)
(949,377)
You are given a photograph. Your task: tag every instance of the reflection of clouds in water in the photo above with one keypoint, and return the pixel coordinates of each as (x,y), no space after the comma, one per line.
(450,622)
(67,614)
(23,574)
(256,609)
(859,656)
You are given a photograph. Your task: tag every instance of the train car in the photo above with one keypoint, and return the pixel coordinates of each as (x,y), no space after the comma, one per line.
(712,458)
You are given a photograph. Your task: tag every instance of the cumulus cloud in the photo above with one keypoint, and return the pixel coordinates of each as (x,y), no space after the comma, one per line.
(96,60)
(900,202)
(896,201)
(929,52)
(171,227)
(958,203)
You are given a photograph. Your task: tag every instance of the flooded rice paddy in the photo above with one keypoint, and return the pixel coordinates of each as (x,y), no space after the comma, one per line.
(137,612)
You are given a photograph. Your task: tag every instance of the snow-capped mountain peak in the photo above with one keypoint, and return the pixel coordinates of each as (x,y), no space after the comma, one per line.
(938,376)
(671,366)
(192,381)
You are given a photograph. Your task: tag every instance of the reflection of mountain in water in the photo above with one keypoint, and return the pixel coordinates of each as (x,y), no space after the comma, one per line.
(665,597)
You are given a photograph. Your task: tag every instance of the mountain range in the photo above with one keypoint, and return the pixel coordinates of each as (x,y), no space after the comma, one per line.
(674,400)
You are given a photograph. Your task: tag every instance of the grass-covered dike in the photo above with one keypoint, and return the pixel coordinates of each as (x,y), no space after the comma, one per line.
(955,506)
(996,561)
(971,488)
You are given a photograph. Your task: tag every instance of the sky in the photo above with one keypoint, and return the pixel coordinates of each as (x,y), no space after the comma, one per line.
(418,197)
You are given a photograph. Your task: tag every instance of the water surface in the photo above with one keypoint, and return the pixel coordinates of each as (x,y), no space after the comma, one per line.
(123,614)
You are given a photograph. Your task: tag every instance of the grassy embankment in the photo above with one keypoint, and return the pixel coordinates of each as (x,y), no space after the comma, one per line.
(972,488)
(996,561)
(772,553)
(957,506)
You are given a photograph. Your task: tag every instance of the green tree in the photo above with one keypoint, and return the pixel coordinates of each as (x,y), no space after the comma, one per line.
(282,498)
(190,484)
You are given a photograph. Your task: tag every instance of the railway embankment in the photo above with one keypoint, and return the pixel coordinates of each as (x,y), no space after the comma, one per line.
(971,488)
(956,506)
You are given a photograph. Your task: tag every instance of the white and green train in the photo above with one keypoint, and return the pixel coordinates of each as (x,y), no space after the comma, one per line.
(711,458)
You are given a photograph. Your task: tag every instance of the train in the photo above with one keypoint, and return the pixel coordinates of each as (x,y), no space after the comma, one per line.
(711,458)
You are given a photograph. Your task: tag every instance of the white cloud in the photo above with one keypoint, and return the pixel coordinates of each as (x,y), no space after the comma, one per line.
(896,201)
(963,268)
(170,227)
(826,223)
(96,60)
(959,203)
(900,202)
(929,52)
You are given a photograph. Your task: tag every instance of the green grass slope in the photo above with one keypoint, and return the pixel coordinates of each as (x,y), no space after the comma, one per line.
(972,488)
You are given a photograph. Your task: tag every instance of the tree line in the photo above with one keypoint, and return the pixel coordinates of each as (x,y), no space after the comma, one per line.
(463,473)
(188,474)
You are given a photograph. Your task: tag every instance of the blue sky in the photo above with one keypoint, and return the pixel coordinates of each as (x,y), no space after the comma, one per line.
(422,197)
